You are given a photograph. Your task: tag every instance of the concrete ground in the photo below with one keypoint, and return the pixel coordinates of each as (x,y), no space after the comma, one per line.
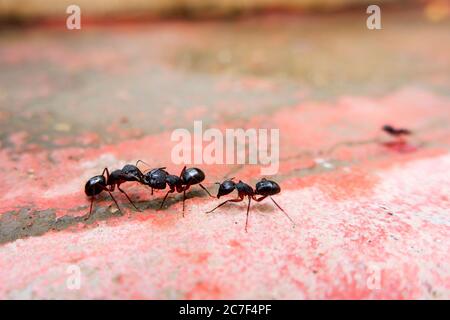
(372,216)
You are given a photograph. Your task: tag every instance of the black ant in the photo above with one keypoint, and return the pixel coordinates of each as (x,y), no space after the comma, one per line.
(159,179)
(100,183)
(399,143)
(264,188)
(396,132)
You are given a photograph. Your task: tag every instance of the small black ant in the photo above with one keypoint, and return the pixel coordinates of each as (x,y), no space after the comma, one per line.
(264,188)
(395,132)
(100,183)
(399,143)
(159,179)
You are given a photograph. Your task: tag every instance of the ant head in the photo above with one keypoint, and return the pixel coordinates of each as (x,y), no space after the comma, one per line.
(225,188)
(155,178)
(95,185)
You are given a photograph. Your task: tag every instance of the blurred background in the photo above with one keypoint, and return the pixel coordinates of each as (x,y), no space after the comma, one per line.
(239,58)
(27,9)
(75,101)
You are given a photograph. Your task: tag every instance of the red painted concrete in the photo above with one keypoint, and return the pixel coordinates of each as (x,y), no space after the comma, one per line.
(372,215)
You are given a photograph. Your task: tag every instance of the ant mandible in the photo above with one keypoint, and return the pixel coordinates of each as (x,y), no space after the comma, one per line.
(100,183)
(159,179)
(264,188)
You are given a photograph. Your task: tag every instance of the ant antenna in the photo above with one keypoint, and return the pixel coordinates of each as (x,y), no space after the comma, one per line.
(137,162)
(141,161)
(225,180)
(248,210)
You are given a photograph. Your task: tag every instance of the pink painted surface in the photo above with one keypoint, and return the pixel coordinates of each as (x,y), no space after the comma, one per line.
(373,218)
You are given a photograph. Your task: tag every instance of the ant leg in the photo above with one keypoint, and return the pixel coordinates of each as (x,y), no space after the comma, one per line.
(152,191)
(263,197)
(206,191)
(165,197)
(184,199)
(107,174)
(182,171)
(111,189)
(248,210)
(259,199)
(114,200)
(283,211)
(231,200)
(128,198)
(90,210)
(185,188)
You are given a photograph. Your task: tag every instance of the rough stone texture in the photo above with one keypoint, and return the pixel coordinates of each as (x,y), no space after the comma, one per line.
(372,215)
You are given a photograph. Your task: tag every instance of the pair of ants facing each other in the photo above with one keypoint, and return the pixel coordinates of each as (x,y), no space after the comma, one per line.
(160,179)
(157,178)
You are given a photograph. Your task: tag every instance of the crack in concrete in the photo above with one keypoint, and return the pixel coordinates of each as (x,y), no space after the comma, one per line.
(26,222)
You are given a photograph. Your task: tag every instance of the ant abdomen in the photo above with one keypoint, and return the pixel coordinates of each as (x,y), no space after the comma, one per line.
(267,187)
(192,176)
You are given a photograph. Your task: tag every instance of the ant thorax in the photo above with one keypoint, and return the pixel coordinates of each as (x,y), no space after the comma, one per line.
(115,177)
(173,181)
(244,189)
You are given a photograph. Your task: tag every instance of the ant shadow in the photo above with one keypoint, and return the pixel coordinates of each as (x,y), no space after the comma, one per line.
(399,146)
(102,212)
(258,207)
(265,207)
(171,200)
